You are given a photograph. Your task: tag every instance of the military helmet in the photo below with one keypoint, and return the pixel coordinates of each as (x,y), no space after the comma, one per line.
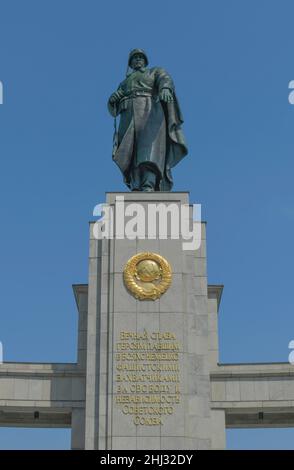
(137,51)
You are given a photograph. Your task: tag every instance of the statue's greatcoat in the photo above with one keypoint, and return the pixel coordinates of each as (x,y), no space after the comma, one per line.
(149,130)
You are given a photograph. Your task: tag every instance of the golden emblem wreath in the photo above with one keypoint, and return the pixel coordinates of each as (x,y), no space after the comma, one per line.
(141,289)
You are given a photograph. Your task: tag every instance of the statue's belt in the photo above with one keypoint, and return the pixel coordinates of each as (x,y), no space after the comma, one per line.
(137,93)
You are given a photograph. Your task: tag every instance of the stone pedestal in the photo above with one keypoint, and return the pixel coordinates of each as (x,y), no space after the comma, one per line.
(148,361)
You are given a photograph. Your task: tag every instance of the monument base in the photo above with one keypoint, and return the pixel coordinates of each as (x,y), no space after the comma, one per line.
(148,361)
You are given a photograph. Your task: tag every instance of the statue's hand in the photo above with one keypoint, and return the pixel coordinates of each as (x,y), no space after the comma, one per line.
(166,95)
(114,98)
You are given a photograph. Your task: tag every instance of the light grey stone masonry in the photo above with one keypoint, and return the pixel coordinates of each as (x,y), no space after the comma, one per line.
(182,310)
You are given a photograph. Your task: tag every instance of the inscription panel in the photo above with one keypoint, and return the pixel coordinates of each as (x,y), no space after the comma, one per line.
(147,375)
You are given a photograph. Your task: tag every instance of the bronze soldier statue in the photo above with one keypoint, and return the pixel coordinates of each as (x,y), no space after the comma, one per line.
(149,141)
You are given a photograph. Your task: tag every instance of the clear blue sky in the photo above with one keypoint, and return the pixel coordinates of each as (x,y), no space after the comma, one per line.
(231,61)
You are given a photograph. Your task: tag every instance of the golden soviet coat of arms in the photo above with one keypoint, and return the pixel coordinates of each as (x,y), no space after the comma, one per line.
(147,275)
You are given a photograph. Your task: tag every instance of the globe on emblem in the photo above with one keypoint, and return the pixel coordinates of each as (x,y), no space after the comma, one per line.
(148,270)
(147,275)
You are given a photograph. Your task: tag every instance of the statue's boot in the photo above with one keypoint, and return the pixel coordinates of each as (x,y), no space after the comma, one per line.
(135,179)
(143,178)
(148,179)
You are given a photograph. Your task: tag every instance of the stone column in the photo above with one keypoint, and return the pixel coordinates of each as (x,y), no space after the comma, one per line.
(78,429)
(124,409)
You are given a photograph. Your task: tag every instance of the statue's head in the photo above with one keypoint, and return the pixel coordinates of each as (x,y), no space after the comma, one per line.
(137,59)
